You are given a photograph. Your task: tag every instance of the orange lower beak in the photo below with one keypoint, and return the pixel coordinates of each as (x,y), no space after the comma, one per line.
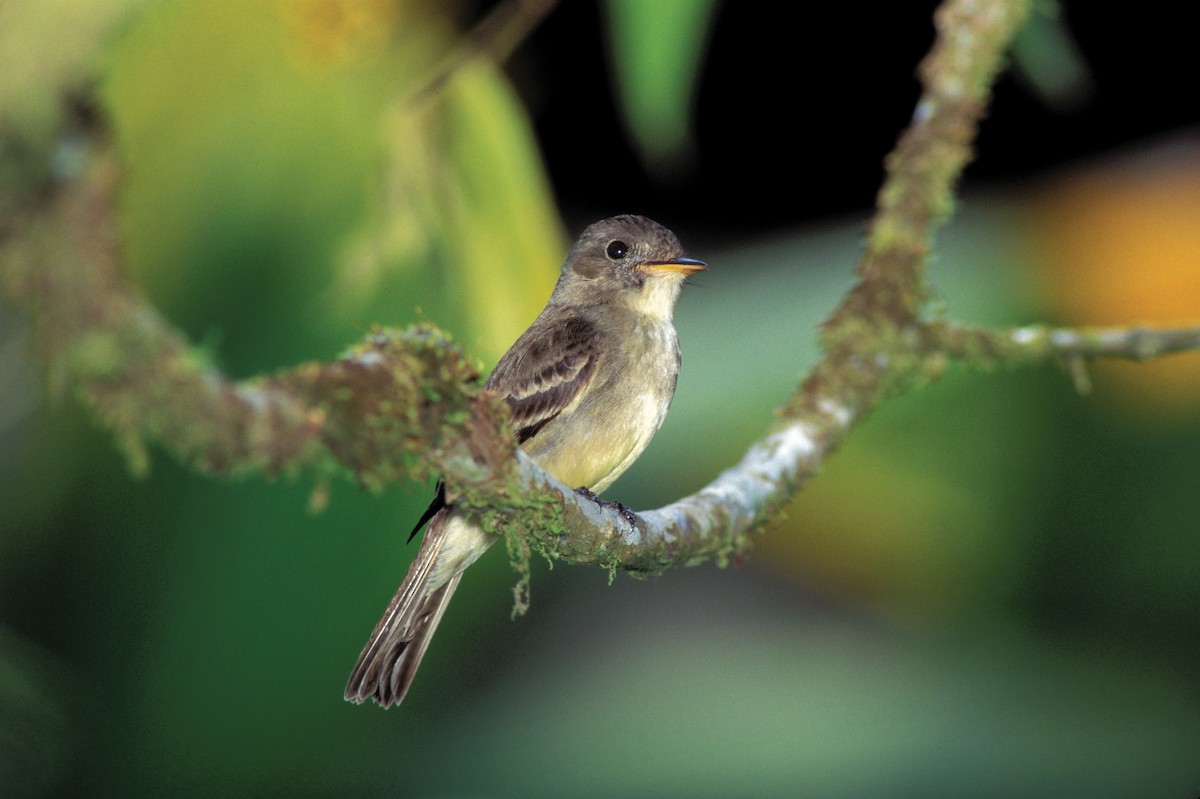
(685,266)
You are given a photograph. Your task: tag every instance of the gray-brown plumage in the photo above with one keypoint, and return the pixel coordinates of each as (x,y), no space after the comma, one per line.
(588,384)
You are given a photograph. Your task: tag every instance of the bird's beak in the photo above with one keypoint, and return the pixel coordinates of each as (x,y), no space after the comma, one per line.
(684,266)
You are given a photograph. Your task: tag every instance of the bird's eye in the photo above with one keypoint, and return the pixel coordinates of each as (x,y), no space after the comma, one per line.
(617,250)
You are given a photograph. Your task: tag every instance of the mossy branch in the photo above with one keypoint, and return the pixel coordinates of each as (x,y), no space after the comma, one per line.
(409,403)
(400,403)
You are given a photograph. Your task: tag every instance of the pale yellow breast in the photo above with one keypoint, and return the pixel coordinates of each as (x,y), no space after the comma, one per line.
(594,449)
(610,427)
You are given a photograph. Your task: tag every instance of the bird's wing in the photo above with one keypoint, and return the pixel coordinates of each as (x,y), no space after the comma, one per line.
(540,376)
(546,372)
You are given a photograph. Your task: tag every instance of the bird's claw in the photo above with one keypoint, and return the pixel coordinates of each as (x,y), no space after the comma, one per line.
(625,512)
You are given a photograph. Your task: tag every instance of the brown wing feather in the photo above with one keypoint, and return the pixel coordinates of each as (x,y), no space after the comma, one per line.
(545,372)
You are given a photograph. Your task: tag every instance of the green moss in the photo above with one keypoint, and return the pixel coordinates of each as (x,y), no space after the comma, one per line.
(98,353)
(518,556)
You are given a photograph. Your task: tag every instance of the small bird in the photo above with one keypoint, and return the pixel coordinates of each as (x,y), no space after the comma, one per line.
(588,385)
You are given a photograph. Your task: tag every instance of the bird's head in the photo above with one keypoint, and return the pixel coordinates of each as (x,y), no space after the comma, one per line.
(631,259)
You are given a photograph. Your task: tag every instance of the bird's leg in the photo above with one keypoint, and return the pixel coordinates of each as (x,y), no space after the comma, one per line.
(625,512)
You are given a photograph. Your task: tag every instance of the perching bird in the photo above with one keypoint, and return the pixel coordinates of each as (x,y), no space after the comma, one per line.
(588,384)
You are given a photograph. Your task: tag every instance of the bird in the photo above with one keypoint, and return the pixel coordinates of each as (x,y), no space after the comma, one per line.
(588,385)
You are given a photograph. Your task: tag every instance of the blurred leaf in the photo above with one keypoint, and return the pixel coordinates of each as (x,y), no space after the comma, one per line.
(482,203)
(1046,55)
(657,49)
(294,191)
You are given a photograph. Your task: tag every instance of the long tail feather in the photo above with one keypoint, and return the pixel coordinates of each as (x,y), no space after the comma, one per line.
(389,661)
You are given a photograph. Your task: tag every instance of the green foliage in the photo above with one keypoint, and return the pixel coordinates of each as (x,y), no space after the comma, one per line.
(657,52)
(307,166)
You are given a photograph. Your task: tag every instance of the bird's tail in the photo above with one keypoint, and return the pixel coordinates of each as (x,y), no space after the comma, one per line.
(389,661)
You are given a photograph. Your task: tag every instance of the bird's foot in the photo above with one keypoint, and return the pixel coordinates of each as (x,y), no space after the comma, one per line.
(625,512)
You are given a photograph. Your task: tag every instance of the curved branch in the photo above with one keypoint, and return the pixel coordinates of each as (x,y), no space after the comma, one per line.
(409,402)
(712,523)
(140,375)
(401,403)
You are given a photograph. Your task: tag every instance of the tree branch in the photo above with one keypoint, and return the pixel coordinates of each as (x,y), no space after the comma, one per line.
(1037,343)
(409,403)
(399,403)
(129,364)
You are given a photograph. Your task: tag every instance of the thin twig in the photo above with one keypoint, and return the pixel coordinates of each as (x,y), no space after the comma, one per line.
(496,36)
(1038,343)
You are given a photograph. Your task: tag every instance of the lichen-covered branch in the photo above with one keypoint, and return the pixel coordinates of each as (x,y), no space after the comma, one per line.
(400,403)
(409,403)
(140,375)
(712,523)
(1032,344)
(716,521)
(871,341)
(1038,343)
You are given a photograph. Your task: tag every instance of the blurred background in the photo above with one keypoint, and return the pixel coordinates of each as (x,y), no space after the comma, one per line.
(993,589)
